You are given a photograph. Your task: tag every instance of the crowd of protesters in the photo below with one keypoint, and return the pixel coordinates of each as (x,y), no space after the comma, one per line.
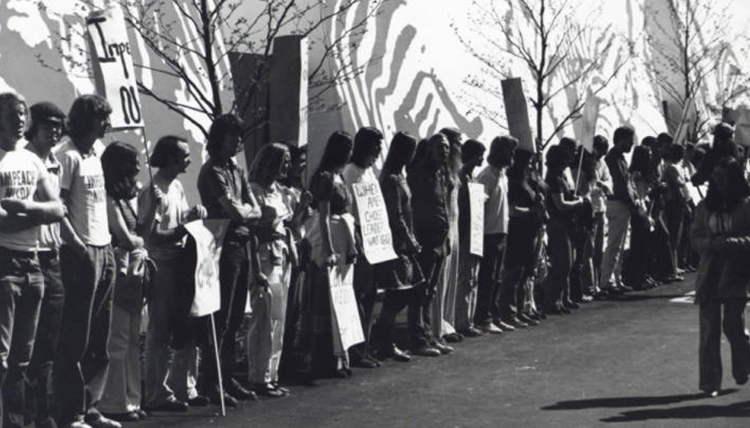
(86,251)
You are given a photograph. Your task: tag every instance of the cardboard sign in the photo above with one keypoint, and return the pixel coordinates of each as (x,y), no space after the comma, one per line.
(208,236)
(477,198)
(373,218)
(742,127)
(586,124)
(344,305)
(113,67)
(517,113)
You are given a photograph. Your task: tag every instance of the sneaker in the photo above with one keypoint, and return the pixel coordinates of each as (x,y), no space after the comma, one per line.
(528,320)
(504,326)
(515,323)
(101,421)
(78,424)
(443,348)
(491,328)
(472,332)
(425,351)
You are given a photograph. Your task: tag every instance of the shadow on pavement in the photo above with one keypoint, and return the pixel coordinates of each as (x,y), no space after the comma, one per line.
(628,401)
(706,411)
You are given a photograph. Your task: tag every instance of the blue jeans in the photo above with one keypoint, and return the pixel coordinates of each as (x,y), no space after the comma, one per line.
(21,291)
(82,356)
(47,333)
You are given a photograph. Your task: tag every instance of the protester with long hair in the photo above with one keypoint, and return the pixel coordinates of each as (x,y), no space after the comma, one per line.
(676,200)
(428,184)
(582,283)
(560,247)
(636,269)
(225,192)
(329,233)
(402,278)
(121,398)
(368,145)
(88,268)
(268,300)
(527,213)
(721,234)
(170,383)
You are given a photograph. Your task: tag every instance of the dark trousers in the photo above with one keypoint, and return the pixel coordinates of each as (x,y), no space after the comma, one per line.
(40,387)
(234,265)
(366,294)
(393,303)
(82,357)
(709,353)
(488,290)
(638,257)
(21,290)
(560,252)
(431,262)
(674,214)
(661,264)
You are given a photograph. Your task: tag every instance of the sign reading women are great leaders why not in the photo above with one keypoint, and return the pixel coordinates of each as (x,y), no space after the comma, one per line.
(373,220)
(113,67)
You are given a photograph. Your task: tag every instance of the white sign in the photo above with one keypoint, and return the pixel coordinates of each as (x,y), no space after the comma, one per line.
(208,236)
(113,67)
(373,220)
(587,122)
(477,198)
(344,306)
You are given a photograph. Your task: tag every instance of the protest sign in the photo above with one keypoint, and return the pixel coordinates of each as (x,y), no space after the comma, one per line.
(346,315)
(373,218)
(208,236)
(477,198)
(586,125)
(113,67)
(517,112)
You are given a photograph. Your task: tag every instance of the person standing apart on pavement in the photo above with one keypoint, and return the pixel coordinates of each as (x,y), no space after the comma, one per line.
(490,296)
(45,130)
(121,399)
(368,145)
(88,269)
(28,200)
(265,331)
(721,234)
(401,278)
(170,385)
(620,205)
(472,156)
(225,192)
(429,188)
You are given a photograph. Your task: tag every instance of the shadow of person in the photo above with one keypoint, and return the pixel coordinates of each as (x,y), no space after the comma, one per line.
(615,402)
(704,411)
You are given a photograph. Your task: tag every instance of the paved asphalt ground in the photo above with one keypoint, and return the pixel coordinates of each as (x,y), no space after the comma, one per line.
(626,363)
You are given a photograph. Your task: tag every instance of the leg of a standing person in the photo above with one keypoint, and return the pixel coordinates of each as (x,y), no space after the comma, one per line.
(487,280)
(599,232)
(709,350)
(45,345)
(95,363)
(618,219)
(79,280)
(114,397)
(558,273)
(237,306)
(739,342)
(20,316)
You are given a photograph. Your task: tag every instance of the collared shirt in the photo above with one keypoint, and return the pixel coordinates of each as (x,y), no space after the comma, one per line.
(82,177)
(171,212)
(222,180)
(622,188)
(496,211)
(430,206)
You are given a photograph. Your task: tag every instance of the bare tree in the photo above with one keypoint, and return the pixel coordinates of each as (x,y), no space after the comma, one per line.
(691,50)
(191,40)
(563,53)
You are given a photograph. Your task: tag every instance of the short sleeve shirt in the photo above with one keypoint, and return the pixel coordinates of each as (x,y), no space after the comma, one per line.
(496,210)
(82,177)
(49,234)
(20,173)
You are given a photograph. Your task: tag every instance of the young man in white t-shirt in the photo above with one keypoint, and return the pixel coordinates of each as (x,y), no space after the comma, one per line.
(88,269)
(43,134)
(27,199)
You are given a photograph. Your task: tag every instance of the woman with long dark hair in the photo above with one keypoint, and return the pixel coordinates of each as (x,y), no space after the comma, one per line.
(636,268)
(329,232)
(402,278)
(560,248)
(721,234)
